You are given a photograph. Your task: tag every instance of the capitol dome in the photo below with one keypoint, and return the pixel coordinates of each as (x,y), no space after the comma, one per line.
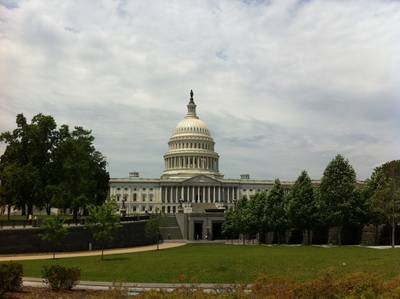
(191,148)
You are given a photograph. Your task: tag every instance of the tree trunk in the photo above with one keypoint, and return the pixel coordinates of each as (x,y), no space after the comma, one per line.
(30,209)
(306,237)
(244,239)
(309,241)
(376,238)
(48,209)
(75,215)
(102,253)
(339,235)
(393,232)
(8,212)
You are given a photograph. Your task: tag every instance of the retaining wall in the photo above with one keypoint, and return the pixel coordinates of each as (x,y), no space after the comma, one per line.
(28,240)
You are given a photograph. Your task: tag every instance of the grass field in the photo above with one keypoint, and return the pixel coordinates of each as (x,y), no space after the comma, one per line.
(228,263)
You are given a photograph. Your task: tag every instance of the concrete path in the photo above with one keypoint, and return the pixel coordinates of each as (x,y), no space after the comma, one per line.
(135,288)
(44,256)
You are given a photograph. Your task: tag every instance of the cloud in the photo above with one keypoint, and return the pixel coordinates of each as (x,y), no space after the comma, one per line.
(284,85)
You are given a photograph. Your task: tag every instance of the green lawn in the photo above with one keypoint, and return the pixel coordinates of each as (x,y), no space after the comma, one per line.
(228,263)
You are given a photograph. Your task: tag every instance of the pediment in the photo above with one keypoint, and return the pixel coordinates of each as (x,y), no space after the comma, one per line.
(201,180)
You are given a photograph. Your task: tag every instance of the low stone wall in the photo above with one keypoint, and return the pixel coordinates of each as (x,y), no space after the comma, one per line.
(28,240)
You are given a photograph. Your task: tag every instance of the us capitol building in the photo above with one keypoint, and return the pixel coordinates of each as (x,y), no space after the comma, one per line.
(191,189)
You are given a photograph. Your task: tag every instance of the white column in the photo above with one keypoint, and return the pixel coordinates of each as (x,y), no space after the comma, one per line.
(192,193)
(165,194)
(203,197)
(208,198)
(227,199)
(214,194)
(219,194)
(176,194)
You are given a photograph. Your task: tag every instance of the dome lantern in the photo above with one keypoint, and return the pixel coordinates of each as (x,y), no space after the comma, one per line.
(191,107)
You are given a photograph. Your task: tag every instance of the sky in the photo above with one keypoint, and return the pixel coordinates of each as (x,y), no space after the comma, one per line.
(282,85)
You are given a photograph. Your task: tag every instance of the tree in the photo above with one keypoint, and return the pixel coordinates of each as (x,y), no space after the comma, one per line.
(103,222)
(152,228)
(230,226)
(302,206)
(28,149)
(338,196)
(238,220)
(275,210)
(383,192)
(243,214)
(258,220)
(44,167)
(19,183)
(54,232)
(80,177)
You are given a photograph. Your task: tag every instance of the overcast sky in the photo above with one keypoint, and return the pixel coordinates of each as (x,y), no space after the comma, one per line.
(282,85)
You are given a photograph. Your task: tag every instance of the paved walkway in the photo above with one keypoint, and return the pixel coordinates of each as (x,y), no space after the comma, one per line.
(135,288)
(44,256)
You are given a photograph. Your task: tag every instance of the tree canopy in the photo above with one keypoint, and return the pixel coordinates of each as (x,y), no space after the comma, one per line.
(302,205)
(47,167)
(382,191)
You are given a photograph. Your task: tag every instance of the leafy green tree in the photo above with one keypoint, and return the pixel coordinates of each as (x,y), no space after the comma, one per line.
(244,218)
(338,196)
(19,183)
(44,167)
(103,222)
(238,220)
(230,227)
(383,192)
(28,151)
(152,228)
(302,205)
(276,210)
(80,177)
(54,232)
(258,221)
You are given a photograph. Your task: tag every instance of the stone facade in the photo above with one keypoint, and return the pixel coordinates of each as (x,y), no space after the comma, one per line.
(191,175)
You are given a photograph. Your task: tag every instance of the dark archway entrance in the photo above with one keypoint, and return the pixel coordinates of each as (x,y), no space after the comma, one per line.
(217,231)
(198,231)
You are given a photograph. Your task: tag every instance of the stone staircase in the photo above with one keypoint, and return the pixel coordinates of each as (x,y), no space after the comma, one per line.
(169,228)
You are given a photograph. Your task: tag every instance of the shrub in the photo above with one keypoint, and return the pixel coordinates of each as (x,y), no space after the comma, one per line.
(61,278)
(323,287)
(267,287)
(10,277)
(360,285)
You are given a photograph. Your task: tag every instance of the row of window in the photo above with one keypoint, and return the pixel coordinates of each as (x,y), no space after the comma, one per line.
(192,129)
(197,145)
(134,197)
(135,189)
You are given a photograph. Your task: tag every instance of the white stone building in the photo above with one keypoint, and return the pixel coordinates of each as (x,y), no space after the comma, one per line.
(191,176)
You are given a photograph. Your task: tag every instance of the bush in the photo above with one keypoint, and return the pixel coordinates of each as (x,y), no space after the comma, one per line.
(267,287)
(61,278)
(10,277)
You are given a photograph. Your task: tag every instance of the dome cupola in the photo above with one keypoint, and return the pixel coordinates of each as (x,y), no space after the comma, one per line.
(191,148)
